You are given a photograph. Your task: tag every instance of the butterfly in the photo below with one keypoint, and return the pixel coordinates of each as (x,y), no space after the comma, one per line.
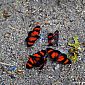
(57,56)
(33,36)
(53,38)
(37,60)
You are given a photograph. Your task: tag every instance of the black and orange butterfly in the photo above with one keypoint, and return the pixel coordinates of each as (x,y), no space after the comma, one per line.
(53,38)
(50,39)
(56,55)
(37,60)
(33,36)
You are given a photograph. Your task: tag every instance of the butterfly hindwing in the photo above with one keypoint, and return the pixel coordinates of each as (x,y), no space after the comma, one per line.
(62,59)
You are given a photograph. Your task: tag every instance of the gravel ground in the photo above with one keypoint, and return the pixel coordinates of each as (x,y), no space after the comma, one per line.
(17,18)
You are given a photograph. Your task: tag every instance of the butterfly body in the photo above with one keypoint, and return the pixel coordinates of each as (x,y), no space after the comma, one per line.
(33,36)
(53,38)
(57,56)
(37,59)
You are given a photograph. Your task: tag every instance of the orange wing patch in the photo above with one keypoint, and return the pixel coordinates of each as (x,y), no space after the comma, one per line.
(49,50)
(28,65)
(30,43)
(32,38)
(34,33)
(36,55)
(31,60)
(42,53)
(68,61)
(61,58)
(54,55)
(37,28)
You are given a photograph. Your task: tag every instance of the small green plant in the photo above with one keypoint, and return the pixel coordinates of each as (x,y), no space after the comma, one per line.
(76,43)
(73,51)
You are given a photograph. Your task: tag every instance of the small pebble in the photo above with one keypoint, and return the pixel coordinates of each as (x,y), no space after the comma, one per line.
(7,35)
(12,68)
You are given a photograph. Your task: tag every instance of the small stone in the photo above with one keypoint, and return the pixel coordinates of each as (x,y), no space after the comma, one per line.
(83,59)
(12,68)
(20,72)
(57,66)
(7,35)
(5,14)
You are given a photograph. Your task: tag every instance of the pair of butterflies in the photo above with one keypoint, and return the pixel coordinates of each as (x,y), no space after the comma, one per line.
(39,59)
(33,36)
